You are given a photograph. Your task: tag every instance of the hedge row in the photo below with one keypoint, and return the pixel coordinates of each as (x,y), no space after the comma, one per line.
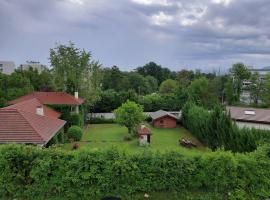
(28,172)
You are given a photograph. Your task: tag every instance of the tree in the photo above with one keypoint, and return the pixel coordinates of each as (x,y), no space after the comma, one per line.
(113,79)
(185,77)
(256,87)
(230,95)
(74,71)
(266,90)
(158,72)
(168,86)
(42,81)
(130,115)
(69,66)
(239,72)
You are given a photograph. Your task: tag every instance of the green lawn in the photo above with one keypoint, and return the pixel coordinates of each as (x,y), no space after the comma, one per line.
(104,136)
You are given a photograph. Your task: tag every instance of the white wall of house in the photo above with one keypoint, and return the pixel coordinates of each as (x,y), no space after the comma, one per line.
(253,125)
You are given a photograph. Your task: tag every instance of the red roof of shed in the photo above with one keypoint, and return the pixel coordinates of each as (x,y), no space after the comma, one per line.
(31,106)
(50,98)
(144,131)
(24,127)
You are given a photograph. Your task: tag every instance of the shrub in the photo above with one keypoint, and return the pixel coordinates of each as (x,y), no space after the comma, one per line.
(75,133)
(28,172)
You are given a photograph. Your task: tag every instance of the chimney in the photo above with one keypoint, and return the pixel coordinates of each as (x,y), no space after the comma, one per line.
(142,126)
(76,95)
(39,111)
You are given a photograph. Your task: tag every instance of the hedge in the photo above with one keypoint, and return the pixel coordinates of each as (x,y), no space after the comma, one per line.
(75,133)
(29,172)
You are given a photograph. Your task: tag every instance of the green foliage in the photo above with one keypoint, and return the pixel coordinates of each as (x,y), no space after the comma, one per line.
(230,94)
(28,172)
(216,130)
(73,71)
(168,86)
(13,86)
(42,81)
(239,72)
(266,90)
(158,72)
(199,92)
(75,133)
(130,115)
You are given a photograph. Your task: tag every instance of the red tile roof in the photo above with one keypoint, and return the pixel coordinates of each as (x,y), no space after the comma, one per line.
(31,106)
(144,131)
(51,98)
(25,127)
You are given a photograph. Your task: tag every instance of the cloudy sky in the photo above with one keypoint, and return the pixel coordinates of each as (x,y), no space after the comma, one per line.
(205,34)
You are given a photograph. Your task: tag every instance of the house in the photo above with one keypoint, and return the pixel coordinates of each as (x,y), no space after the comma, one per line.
(250,117)
(163,119)
(7,67)
(53,98)
(144,134)
(29,122)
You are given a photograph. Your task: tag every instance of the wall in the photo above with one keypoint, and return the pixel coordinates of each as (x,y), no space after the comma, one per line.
(168,122)
(253,125)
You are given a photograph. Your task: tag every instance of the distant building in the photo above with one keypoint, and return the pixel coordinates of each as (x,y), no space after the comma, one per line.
(250,117)
(33,64)
(245,95)
(7,67)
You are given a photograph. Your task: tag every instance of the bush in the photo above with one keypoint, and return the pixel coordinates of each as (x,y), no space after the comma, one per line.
(75,133)
(28,172)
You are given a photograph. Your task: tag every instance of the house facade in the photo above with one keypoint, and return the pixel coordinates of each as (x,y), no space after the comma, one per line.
(163,119)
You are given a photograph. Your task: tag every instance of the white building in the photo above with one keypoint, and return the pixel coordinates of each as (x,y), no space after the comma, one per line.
(33,64)
(250,117)
(7,67)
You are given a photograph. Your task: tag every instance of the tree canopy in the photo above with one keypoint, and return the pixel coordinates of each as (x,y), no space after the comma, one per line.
(130,115)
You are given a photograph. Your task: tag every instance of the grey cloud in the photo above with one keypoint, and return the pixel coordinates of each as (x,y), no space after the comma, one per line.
(120,32)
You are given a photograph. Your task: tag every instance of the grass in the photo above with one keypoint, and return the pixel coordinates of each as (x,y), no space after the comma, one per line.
(102,136)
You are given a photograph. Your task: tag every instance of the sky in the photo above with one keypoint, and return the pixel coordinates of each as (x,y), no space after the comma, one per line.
(178,34)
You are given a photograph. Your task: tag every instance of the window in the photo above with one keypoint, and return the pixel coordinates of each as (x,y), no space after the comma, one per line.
(161,121)
(250,112)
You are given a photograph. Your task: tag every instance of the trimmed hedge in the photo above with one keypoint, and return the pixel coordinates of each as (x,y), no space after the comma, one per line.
(75,132)
(29,172)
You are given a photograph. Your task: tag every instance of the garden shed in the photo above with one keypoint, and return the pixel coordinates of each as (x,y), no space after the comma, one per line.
(163,119)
